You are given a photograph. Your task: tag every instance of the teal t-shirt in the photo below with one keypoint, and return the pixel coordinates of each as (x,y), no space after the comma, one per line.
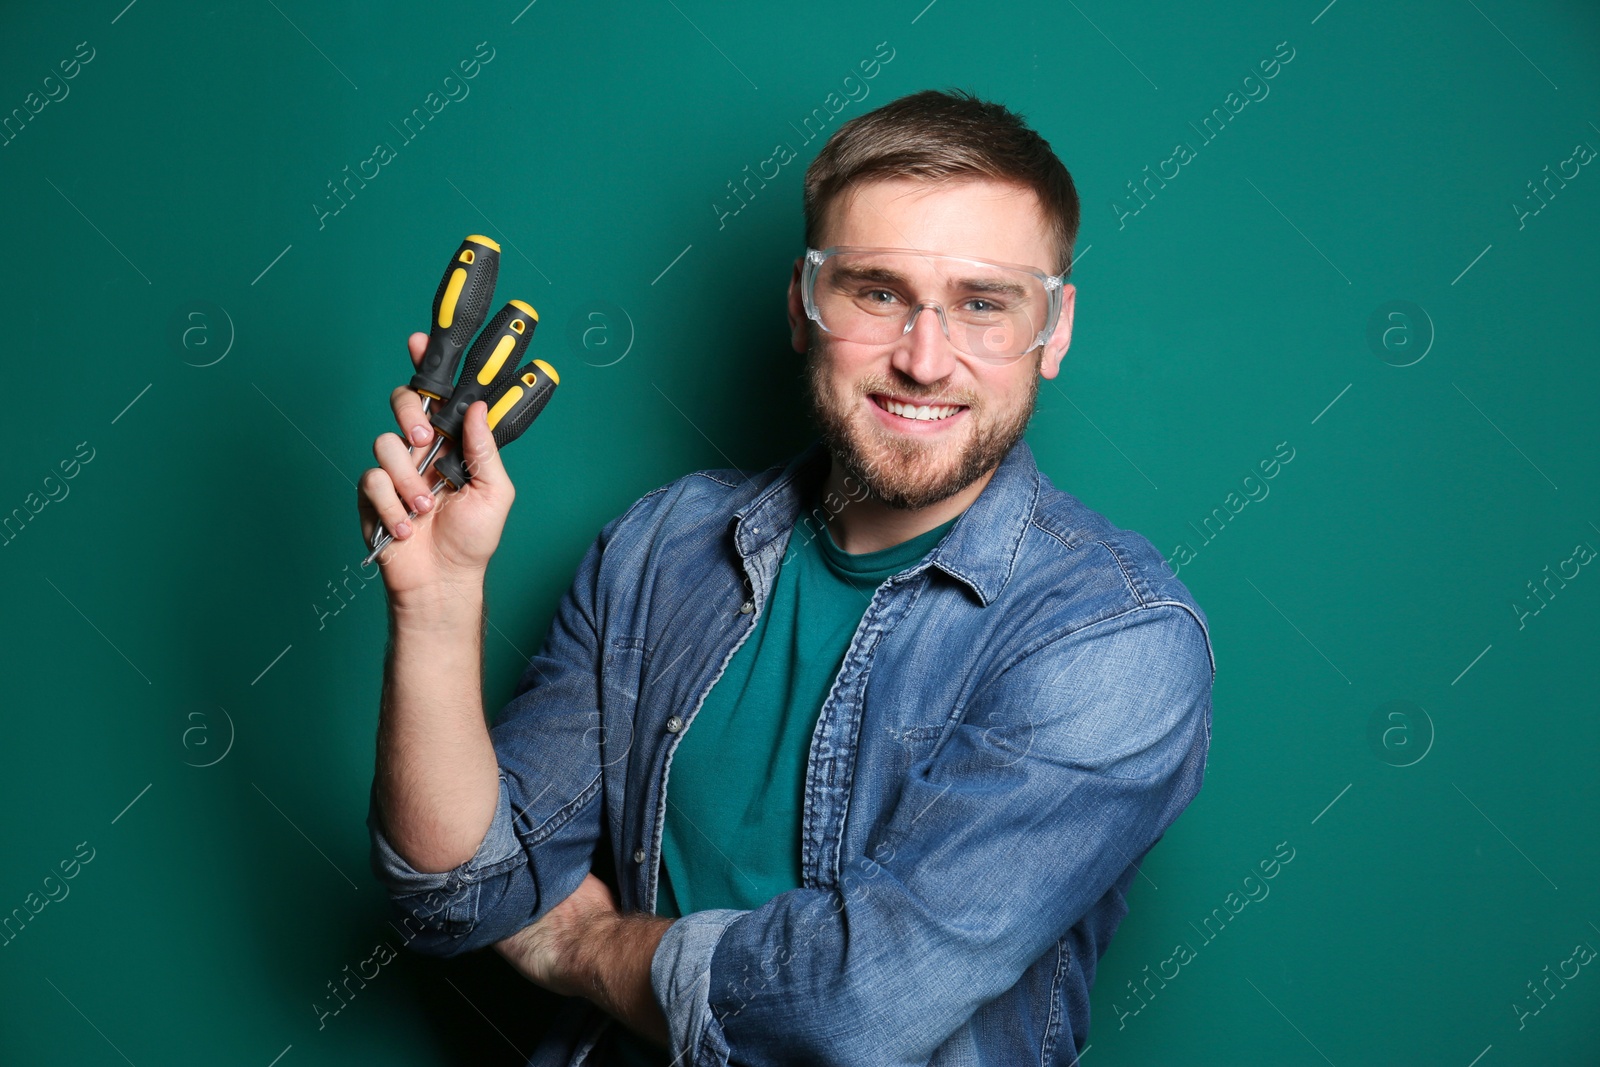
(734,796)
(732,832)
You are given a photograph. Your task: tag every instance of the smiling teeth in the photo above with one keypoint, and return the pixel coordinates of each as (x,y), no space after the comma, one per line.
(925,413)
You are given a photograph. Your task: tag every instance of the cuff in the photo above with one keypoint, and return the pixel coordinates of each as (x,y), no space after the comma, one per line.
(499,850)
(680,976)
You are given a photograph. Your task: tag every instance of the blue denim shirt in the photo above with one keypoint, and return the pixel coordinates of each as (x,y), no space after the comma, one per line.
(1018,719)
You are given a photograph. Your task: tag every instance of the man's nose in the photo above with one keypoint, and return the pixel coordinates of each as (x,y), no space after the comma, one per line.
(926,353)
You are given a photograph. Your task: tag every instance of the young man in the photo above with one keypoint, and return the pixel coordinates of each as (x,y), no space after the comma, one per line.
(923,712)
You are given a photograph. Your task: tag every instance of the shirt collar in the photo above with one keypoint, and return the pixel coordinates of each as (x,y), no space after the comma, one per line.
(980,550)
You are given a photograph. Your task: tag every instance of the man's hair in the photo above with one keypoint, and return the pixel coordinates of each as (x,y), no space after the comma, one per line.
(943,136)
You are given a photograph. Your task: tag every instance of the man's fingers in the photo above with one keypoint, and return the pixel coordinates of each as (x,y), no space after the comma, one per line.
(414,426)
(407,403)
(379,492)
(409,486)
(479,453)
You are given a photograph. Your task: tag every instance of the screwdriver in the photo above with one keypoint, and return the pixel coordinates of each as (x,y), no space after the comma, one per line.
(459,305)
(510,414)
(521,401)
(490,367)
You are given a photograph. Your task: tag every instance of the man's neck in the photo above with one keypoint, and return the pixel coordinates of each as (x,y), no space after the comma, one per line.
(868,524)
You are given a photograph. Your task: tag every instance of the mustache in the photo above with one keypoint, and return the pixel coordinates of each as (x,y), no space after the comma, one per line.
(817,370)
(914,390)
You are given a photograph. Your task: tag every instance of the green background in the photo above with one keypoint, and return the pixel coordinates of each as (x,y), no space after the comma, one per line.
(175,608)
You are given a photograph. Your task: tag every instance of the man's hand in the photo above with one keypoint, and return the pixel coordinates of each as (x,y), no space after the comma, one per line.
(450,541)
(585,947)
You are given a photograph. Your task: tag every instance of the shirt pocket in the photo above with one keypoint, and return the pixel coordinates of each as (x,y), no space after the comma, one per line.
(623,671)
(622,681)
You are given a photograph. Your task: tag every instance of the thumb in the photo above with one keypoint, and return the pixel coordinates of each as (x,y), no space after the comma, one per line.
(479,453)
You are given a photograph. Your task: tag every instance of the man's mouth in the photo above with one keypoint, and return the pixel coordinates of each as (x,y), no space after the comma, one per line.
(915,410)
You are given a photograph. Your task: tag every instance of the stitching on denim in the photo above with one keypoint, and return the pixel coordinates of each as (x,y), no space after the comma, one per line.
(1204,629)
(623,518)
(1045,516)
(679,484)
(1153,606)
(1022,534)
(958,712)
(848,767)
(659,823)
(1127,578)
(712,477)
(563,815)
(1052,1026)
(971,582)
(495,869)
(1037,525)
(766,486)
(1011,563)
(706,1050)
(811,800)
(1062,635)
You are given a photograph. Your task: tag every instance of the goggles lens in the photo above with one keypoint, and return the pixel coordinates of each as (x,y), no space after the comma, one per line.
(991,311)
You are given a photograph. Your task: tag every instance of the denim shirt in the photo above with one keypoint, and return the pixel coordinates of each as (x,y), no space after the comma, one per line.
(1019,717)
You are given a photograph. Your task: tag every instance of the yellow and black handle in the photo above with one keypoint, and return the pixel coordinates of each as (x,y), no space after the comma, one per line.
(491,365)
(511,412)
(458,310)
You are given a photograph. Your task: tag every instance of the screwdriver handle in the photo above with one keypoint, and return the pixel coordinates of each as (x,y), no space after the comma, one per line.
(511,412)
(491,365)
(459,306)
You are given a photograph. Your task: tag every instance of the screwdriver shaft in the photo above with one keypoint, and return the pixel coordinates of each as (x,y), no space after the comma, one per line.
(438,442)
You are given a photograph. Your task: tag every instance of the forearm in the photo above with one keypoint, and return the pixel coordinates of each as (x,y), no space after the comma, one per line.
(585,947)
(437,777)
(613,970)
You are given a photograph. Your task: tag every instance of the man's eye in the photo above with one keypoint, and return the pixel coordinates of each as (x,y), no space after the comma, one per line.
(881,297)
(984,305)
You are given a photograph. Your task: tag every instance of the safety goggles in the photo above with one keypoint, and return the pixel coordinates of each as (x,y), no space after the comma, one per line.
(995,312)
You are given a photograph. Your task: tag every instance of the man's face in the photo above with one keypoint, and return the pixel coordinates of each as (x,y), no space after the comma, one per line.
(908,463)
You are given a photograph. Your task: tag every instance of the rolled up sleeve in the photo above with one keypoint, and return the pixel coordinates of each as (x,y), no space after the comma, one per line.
(1061,772)
(680,975)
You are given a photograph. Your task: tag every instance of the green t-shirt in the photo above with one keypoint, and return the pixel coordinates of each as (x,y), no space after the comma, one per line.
(732,832)
(734,798)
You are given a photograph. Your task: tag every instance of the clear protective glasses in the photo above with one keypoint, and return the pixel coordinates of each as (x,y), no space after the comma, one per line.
(995,312)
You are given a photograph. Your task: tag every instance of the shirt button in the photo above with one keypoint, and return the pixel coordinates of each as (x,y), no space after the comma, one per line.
(674,724)
(747,607)
(638,856)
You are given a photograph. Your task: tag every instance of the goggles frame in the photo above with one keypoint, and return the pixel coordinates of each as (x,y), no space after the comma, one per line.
(1053,285)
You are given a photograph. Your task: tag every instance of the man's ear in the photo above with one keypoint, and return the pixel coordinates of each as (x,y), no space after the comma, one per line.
(797,311)
(1055,349)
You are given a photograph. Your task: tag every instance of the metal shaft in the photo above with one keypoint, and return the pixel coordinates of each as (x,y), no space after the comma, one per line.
(438,442)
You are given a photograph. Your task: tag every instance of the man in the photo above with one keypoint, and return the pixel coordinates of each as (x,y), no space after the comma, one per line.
(924,712)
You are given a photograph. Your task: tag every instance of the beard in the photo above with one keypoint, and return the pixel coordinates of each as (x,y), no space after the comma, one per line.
(900,470)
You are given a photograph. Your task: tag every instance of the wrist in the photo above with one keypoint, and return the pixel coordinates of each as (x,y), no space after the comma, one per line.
(446,601)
